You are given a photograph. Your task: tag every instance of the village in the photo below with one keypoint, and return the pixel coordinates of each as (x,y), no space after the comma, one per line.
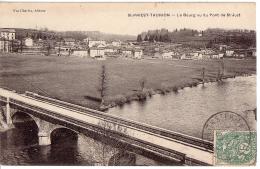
(100,49)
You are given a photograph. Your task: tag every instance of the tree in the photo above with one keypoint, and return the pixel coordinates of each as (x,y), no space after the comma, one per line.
(70,51)
(146,38)
(203,76)
(142,83)
(48,47)
(156,38)
(21,46)
(151,38)
(59,49)
(160,38)
(102,88)
(139,38)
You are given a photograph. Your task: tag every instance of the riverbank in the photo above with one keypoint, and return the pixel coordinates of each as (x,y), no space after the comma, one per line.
(76,80)
(141,96)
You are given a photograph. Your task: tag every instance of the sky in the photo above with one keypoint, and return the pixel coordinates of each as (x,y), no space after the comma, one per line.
(115,17)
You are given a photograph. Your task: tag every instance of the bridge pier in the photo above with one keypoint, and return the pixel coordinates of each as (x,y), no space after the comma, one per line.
(44,138)
(8,112)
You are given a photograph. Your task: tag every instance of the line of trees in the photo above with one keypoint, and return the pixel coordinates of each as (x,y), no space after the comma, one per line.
(243,38)
(164,35)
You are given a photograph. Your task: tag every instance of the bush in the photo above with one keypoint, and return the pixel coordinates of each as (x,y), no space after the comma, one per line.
(119,100)
(149,92)
(175,89)
(194,84)
(141,95)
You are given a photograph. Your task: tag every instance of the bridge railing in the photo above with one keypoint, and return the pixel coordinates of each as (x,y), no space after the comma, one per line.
(157,149)
(157,139)
(179,137)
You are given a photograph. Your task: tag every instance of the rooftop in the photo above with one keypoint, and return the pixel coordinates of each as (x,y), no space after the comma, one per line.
(7,30)
(69,40)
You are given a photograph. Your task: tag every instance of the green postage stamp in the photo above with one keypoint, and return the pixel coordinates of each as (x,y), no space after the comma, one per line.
(235,147)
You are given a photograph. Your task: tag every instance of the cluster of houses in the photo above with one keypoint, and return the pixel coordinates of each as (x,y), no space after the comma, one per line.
(101,49)
(186,53)
(98,49)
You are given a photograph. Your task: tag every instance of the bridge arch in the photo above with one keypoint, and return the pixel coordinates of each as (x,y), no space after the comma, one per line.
(123,159)
(20,116)
(61,132)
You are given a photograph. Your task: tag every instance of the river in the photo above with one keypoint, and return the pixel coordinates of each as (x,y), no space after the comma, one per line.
(188,110)
(184,112)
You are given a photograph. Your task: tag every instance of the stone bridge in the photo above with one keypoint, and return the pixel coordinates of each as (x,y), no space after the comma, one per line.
(108,137)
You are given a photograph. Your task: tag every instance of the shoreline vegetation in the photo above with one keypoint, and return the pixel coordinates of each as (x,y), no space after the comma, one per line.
(76,80)
(120,100)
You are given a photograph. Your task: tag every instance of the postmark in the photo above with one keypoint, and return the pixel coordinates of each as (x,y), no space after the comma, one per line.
(225,121)
(234,147)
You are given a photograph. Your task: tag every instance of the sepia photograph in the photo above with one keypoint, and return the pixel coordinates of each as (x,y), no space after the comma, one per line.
(128,84)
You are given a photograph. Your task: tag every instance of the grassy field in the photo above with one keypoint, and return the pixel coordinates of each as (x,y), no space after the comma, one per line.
(72,79)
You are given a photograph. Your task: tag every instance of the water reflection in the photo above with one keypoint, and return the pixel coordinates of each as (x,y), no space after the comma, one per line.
(19,146)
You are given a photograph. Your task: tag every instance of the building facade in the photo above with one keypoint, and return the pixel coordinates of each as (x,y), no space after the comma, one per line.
(8,34)
(4,45)
(96,52)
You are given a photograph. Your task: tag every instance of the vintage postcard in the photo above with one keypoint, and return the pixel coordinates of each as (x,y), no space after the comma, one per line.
(128,84)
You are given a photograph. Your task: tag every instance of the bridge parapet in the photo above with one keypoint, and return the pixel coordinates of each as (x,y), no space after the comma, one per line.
(163,142)
(199,143)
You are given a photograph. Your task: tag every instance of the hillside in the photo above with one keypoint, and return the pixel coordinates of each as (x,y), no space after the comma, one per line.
(208,37)
(78,35)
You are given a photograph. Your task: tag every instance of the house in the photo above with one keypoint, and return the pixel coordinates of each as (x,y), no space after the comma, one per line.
(239,54)
(198,34)
(111,49)
(254,53)
(167,55)
(221,55)
(157,55)
(86,40)
(116,43)
(223,47)
(215,56)
(8,34)
(4,45)
(127,52)
(156,49)
(195,55)
(206,56)
(187,56)
(138,53)
(251,52)
(229,53)
(101,45)
(200,56)
(98,53)
(183,56)
(80,53)
(69,41)
(28,42)
(92,43)
(65,51)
